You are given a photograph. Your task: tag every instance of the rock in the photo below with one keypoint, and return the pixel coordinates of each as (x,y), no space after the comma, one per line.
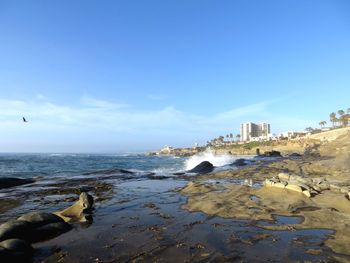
(76,211)
(295,155)
(14,229)
(109,172)
(179,173)
(50,230)
(269,182)
(284,177)
(239,162)
(37,219)
(279,185)
(16,244)
(272,153)
(307,193)
(294,187)
(202,168)
(298,179)
(15,250)
(344,190)
(7,182)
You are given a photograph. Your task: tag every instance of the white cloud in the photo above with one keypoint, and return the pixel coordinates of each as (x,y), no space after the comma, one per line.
(93,120)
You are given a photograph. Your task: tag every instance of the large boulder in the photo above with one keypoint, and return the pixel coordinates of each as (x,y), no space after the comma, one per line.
(202,168)
(7,182)
(14,229)
(50,230)
(37,219)
(15,250)
(34,227)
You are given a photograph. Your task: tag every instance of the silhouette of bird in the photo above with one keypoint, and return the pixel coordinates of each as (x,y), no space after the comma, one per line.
(24,120)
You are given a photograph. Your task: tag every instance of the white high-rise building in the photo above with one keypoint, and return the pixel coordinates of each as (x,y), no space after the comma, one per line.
(252,130)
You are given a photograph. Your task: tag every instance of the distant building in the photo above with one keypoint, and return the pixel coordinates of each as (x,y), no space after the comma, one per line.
(250,130)
(293,134)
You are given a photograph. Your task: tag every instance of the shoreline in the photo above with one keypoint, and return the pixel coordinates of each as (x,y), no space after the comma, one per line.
(216,216)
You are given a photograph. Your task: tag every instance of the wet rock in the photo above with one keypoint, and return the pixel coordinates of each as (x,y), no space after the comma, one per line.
(76,212)
(50,230)
(33,227)
(109,172)
(14,229)
(7,204)
(179,173)
(16,244)
(272,154)
(7,182)
(295,155)
(202,168)
(15,250)
(37,219)
(239,162)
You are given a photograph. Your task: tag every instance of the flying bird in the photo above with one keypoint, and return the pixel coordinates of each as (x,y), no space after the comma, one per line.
(24,120)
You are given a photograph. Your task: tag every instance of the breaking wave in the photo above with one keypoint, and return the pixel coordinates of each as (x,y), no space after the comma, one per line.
(208,155)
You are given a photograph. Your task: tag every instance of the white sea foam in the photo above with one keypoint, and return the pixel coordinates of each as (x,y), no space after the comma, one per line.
(208,155)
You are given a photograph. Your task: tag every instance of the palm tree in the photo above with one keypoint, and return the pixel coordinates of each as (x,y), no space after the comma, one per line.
(341,114)
(238,136)
(231,136)
(348,110)
(333,118)
(309,129)
(322,123)
(344,119)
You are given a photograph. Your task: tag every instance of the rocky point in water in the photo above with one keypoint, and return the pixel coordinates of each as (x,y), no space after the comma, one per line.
(202,168)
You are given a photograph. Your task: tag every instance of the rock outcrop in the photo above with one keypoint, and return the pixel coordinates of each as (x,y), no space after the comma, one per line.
(79,211)
(15,250)
(7,182)
(296,183)
(33,227)
(202,168)
(17,234)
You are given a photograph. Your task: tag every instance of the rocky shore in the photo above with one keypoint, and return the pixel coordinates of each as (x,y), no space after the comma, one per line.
(314,186)
(279,206)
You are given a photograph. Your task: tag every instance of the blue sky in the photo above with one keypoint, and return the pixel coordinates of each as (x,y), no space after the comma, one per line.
(116,76)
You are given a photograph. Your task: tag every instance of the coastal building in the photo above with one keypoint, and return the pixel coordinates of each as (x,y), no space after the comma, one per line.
(293,134)
(250,130)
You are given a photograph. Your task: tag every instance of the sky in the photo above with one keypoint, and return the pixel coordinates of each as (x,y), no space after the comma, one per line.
(133,75)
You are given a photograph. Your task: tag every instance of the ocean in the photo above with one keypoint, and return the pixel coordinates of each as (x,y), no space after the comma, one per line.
(55,165)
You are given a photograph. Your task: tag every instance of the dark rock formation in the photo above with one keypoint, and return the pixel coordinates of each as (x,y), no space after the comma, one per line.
(202,168)
(7,182)
(109,172)
(295,155)
(272,153)
(34,227)
(37,219)
(15,250)
(239,162)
